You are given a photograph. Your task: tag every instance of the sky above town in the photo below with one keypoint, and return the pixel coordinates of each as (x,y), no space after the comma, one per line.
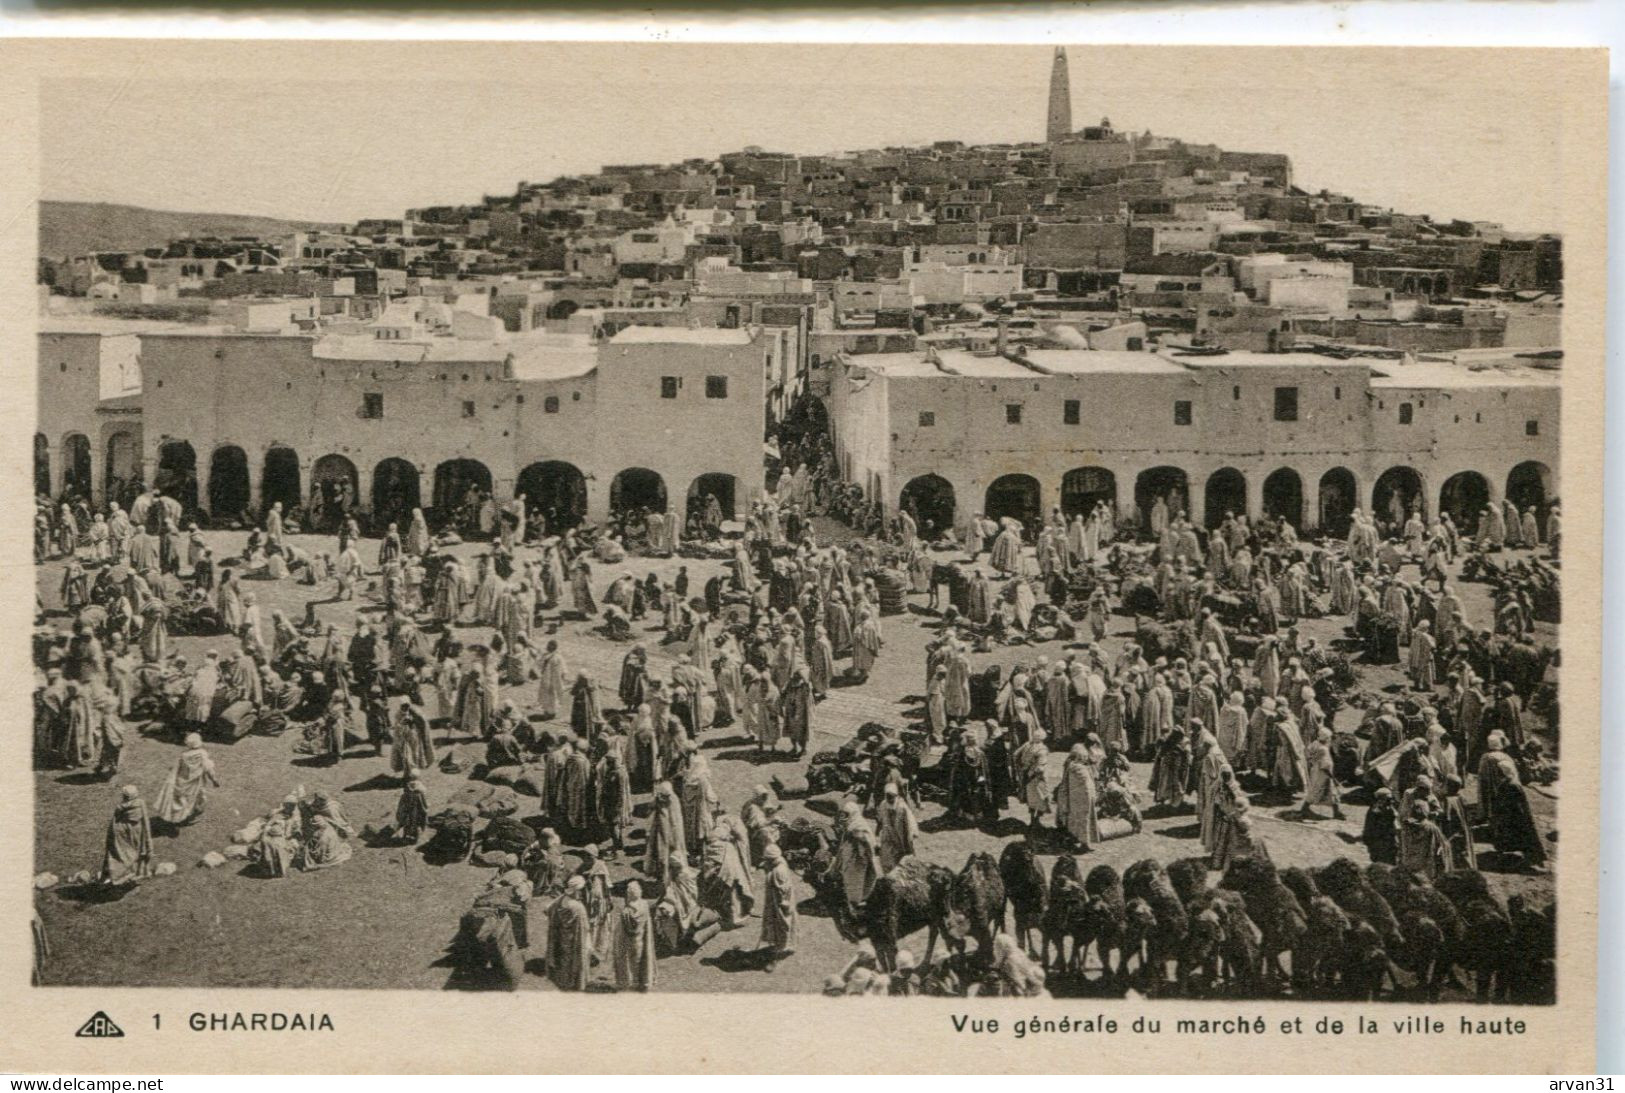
(337,132)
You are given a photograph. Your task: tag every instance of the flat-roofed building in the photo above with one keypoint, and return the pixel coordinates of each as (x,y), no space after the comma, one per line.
(1309,436)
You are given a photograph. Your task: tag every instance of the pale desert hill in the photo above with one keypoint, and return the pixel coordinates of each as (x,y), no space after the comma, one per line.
(68,228)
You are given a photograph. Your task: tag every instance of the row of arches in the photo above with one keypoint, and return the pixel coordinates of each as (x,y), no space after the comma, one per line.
(122,461)
(555,489)
(1396,492)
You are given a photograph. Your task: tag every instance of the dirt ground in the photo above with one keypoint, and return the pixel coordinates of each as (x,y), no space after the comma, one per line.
(384,919)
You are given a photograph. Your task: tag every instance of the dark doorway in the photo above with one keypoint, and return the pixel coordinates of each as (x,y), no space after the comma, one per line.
(637,488)
(334,488)
(1396,493)
(1168,483)
(177,474)
(1016,496)
(122,468)
(1530,485)
(930,499)
(395,493)
(1224,495)
(1085,487)
(717,484)
(1283,496)
(557,491)
(228,483)
(279,480)
(42,465)
(1339,497)
(1463,496)
(460,487)
(76,465)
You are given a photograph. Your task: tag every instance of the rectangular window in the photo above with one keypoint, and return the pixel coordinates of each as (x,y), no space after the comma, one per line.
(668,386)
(1071,411)
(1405,413)
(1337,393)
(468,408)
(716,386)
(1012,413)
(928,418)
(372,405)
(1235,394)
(1182,412)
(1531,428)
(1286,404)
(550,404)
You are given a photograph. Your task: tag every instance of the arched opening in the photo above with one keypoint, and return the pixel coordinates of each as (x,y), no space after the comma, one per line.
(76,465)
(279,479)
(716,484)
(1224,495)
(395,492)
(334,487)
(1168,484)
(1017,496)
(460,488)
(1082,488)
(177,473)
(637,488)
(1463,496)
(1396,494)
(1339,497)
(1283,496)
(1530,485)
(930,500)
(555,490)
(122,467)
(228,483)
(42,465)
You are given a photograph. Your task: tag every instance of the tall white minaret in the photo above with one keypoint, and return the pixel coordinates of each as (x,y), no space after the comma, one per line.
(1058,126)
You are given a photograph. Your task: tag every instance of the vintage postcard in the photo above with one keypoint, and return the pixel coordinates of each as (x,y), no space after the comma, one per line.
(1077,556)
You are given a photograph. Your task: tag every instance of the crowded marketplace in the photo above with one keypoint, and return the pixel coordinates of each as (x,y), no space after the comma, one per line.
(822,744)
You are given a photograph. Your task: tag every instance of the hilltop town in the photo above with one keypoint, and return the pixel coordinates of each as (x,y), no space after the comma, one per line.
(1245,498)
(1091,240)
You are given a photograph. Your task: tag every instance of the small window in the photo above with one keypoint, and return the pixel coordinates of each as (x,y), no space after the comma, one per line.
(1182,412)
(1406,414)
(716,386)
(1478,419)
(1235,394)
(372,405)
(1531,428)
(468,408)
(1071,411)
(550,404)
(928,418)
(575,396)
(668,386)
(1012,413)
(1337,393)
(1286,404)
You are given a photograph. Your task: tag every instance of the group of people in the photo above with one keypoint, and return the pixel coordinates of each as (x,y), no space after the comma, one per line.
(758,649)
(394,684)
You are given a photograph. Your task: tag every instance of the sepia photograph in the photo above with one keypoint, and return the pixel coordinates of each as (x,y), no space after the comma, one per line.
(1047,521)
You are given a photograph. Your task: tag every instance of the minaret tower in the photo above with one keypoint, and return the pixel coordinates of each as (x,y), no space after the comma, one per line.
(1058,126)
